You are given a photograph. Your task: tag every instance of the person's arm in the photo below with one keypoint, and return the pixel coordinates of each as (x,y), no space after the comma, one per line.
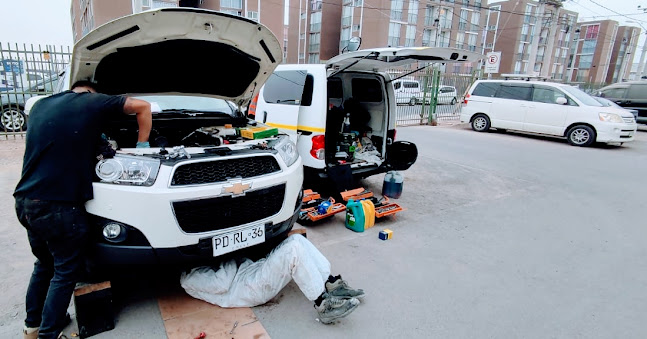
(144,117)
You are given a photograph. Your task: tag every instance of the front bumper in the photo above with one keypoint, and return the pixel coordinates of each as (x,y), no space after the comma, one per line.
(615,133)
(114,254)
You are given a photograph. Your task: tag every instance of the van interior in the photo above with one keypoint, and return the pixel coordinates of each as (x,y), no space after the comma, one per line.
(357,120)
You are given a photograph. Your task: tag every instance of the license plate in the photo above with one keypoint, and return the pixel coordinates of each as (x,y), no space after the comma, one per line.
(232,241)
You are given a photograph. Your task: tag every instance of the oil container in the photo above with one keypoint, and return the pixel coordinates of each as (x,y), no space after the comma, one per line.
(393,182)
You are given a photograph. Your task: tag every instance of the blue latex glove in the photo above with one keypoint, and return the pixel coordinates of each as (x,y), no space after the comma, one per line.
(143,144)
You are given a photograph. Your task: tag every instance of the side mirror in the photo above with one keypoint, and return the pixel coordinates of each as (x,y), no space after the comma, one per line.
(561,101)
(353,44)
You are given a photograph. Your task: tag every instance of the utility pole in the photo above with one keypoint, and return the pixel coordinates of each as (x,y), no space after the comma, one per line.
(534,44)
(550,45)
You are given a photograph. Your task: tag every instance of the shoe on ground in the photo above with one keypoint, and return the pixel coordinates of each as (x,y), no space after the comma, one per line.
(340,289)
(332,308)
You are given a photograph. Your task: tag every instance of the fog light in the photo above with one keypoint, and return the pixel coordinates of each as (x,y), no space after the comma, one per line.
(112,231)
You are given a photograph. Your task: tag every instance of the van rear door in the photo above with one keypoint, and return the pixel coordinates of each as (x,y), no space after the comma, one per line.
(280,99)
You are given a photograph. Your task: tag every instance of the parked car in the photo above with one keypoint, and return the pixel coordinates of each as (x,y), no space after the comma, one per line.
(12,104)
(545,108)
(201,191)
(407,91)
(310,101)
(447,95)
(630,94)
(609,103)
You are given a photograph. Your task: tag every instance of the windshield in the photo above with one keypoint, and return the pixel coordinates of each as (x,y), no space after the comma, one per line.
(581,96)
(185,102)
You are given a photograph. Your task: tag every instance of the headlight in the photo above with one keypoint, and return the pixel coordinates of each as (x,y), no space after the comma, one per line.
(288,151)
(610,117)
(128,170)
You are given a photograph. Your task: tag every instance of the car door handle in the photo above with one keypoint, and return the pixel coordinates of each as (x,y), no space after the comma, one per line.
(264,116)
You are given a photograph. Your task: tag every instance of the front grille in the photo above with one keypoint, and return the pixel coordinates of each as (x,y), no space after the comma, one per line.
(196,216)
(628,120)
(220,170)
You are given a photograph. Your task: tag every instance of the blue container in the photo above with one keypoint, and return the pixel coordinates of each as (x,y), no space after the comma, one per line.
(393,182)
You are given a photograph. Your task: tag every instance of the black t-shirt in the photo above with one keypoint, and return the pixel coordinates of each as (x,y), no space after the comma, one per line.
(62,138)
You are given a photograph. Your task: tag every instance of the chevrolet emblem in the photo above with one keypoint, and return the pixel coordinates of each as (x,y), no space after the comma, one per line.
(237,188)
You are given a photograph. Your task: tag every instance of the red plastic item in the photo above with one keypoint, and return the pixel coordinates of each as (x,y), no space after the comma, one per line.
(202,335)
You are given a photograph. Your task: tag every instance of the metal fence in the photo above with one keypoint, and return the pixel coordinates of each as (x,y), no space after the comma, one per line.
(26,71)
(429,95)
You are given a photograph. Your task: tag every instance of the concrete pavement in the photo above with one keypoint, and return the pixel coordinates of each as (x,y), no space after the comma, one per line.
(504,236)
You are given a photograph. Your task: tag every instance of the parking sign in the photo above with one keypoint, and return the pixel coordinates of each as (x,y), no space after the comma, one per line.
(492,62)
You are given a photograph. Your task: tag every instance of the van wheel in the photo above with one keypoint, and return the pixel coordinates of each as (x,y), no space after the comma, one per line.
(580,135)
(481,123)
(453,101)
(413,101)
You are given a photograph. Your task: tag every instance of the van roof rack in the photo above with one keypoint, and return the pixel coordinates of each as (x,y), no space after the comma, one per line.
(526,77)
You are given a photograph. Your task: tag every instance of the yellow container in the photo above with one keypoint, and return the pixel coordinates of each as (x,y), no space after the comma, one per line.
(258,132)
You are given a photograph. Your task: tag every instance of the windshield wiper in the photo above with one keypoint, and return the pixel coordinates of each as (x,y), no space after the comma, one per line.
(192,112)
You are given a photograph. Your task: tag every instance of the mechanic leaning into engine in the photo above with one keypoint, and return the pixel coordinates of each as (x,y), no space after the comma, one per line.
(63,136)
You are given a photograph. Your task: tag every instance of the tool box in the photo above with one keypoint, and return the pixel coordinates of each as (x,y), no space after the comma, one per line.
(315,208)
(258,132)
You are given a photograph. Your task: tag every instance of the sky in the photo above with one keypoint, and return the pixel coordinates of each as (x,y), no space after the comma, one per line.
(47,22)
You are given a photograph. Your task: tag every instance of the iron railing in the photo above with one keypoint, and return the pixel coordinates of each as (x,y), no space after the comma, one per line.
(26,71)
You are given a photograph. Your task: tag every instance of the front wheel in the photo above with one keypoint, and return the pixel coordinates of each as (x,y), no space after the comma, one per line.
(12,119)
(580,135)
(481,123)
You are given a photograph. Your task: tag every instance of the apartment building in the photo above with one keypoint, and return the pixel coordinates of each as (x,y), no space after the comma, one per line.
(323,29)
(448,23)
(534,37)
(603,52)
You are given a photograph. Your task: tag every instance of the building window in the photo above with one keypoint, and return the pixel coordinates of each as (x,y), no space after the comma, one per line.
(446,15)
(347,16)
(592,32)
(313,44)
(460,40)
(427,36)
(358,3)
(411,36)
(232,12)
(585,61)
(313,58)
(164,4)
(396,9)
(413,11)
(476,17)
(429,15)
(315,22)
(146,3)
(588,46)
(356,28)
(471,42)
(231,3)
(315,5)
(394,34)
(253,15)
(462,20)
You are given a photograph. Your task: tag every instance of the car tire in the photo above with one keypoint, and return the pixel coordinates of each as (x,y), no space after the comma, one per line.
(413,101)
(480,123)
(453,101)
(12,119)
(581,135)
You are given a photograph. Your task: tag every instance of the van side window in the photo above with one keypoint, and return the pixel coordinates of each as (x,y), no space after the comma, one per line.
(514,92)
(286,87)
(486,89)
(367,90)
(614,93)
(306,98)
(637,91)
(546,95)
(411,85)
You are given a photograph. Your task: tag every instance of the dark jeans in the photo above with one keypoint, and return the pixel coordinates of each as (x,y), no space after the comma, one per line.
(58,235)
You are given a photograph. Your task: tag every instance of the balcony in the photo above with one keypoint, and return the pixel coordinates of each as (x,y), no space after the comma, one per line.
(540,58)
(524,37)
(522,56)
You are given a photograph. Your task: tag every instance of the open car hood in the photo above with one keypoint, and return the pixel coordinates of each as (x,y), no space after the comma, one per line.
(380,59)
(178,51)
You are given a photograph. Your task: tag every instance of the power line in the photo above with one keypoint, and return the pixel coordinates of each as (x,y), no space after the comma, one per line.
(609,9)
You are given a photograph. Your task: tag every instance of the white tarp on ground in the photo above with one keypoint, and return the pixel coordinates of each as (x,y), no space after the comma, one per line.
(255,283)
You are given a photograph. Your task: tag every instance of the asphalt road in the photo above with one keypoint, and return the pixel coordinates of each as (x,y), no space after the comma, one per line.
(504,236)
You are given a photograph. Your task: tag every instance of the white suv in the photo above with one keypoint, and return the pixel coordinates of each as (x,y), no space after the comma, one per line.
(201,190)
(545,108)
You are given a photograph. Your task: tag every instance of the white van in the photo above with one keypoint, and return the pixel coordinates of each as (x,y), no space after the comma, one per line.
(311,101)
(545,108)
(407,91)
